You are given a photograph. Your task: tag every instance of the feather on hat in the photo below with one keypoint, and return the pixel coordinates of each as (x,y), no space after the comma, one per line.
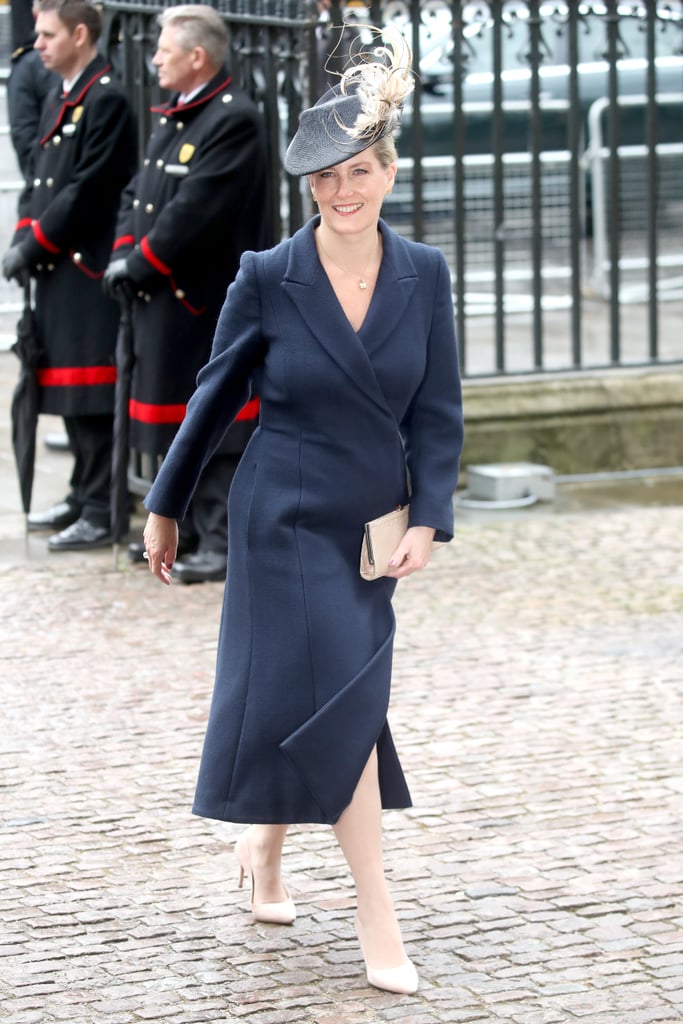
(364,106)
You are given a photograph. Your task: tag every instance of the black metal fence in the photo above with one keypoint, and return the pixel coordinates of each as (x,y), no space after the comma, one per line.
(543,152)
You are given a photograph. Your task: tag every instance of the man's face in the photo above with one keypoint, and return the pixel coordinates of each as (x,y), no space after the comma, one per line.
(175,65)
(58,48)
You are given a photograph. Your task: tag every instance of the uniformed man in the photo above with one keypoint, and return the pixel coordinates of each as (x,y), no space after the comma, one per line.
(28,85)
(84,157)
(197,203)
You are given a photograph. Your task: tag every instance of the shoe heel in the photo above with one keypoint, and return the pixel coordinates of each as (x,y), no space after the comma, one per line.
(241,878)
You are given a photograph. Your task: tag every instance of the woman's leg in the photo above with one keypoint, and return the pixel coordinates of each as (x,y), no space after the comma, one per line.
(359,832)
(265,844)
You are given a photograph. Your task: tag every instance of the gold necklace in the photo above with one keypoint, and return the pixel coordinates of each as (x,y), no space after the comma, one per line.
(362,283)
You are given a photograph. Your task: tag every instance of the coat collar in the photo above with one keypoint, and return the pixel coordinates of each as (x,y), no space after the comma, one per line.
(308,286)
(97,69)
(219,83)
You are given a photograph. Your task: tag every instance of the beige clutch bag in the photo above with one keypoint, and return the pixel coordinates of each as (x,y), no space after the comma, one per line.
(381,538)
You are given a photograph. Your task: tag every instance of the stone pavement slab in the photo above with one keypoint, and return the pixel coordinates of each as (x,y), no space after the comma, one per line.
(537,710)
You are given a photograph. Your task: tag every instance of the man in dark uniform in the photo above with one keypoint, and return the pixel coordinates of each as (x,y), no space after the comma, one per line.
(28,84)
(84,157)
(197,203)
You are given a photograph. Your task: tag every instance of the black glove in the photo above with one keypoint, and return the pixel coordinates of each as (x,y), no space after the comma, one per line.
(117,281)
(14,264)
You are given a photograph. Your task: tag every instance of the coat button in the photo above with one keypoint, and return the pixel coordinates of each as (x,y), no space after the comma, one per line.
(148,298)
(149,208)
(145,162)
(77,257)
(141,295)
(160,163)
(163,120)
(39,266)
(57,139)
(50,266)
(136,203)
(50,182)
(179,127)
(179,293)
(105,80)
(227,98)
(36,182)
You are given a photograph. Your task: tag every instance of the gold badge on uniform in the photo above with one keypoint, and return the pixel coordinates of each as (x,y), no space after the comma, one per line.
(77,115)
(186,152)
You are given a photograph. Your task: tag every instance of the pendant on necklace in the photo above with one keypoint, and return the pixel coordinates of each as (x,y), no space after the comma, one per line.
(362,284)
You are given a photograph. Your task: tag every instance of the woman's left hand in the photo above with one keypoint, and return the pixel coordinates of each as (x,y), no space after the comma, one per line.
(413,552)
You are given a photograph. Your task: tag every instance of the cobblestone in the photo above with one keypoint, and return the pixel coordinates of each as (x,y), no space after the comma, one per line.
(537,708)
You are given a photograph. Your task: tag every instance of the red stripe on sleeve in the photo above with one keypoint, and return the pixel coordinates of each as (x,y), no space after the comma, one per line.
(41,238)
(124,240)
(146,250)
(25,222)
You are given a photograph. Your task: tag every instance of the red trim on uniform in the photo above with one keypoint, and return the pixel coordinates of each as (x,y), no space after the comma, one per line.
(75,376)
(146,250)
(42,239)
(249,410)
(145,412)
(168,109)
(124,240)
(74,102)
(94,275)
(183,301)
(25,222)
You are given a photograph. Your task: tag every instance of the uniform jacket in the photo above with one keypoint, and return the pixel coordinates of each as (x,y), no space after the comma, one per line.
(67,214)
(305,648)
(196,204)
(27,89)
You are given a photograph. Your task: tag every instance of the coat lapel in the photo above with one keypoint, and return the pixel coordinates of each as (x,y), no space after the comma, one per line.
(306,283)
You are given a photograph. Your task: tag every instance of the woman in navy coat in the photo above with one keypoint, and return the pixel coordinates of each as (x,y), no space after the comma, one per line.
(347,333)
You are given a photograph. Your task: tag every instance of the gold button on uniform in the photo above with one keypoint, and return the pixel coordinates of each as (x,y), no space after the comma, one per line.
(160,163)
(136,203)
(149,208)
(179,293)
(77,257)
(163,120)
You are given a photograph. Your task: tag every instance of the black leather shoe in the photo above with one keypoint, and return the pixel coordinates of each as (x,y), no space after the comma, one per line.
(57,443)
(81,536)
(136,552)
(64,513)
(202,567)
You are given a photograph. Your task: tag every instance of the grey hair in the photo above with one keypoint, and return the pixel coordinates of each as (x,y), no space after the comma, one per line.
(198,25)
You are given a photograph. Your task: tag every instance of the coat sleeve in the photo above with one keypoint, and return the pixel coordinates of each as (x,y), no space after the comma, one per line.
(433,427)
(223,386)
(219,172)
(28,85)
(100,167)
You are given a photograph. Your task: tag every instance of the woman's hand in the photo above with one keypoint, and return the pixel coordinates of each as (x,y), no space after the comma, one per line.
(413,552)
(160,537)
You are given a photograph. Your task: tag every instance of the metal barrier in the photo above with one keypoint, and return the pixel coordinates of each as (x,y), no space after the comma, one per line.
(642,209)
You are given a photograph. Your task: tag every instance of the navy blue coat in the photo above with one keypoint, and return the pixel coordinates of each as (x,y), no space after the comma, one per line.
(305,647)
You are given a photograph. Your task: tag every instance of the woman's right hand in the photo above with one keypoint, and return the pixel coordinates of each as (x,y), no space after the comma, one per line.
(160,537)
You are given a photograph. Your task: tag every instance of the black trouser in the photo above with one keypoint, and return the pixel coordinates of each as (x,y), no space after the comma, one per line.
(91,443)
(206,522)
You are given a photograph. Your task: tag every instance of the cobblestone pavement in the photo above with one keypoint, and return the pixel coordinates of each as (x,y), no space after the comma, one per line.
(537,709)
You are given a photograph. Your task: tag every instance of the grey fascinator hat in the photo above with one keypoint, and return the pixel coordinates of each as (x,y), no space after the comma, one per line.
(363,107)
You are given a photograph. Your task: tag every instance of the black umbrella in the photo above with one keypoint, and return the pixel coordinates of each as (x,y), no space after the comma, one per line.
(120,450)
(24,409)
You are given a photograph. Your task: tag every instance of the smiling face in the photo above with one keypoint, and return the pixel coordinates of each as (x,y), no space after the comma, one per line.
(349,195)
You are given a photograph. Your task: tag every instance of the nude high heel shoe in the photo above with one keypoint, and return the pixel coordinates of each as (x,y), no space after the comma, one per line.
(283,912)
(402,979)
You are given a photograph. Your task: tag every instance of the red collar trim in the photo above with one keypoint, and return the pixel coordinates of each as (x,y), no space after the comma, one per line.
(166,108)
(74,102)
